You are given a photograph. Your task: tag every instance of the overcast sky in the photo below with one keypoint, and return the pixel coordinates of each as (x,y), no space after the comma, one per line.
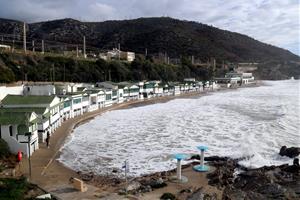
(272,21)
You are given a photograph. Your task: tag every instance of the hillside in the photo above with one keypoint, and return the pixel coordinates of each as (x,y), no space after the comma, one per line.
(163,34)
(179,39)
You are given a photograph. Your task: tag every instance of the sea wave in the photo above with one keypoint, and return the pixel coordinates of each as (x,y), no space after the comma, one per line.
(248,122)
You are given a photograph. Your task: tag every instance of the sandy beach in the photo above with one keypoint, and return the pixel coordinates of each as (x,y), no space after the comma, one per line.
(54,177)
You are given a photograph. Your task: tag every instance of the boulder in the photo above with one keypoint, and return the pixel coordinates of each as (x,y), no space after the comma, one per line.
(133,186)
(291,152)
(155,183)
(168,196)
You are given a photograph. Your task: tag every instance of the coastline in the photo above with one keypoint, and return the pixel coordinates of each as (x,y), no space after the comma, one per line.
(52,175)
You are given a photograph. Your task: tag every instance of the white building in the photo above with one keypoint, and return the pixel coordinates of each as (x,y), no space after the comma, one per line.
(15,90)
(39,89)
(47,109)
(14,126)
(116,54)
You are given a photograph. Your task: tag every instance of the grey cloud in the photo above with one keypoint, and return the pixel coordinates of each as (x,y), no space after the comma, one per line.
(275,22)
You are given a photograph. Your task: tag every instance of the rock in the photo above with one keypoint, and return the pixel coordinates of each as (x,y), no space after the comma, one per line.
(197,195)
(233,194)
(168,196)
(291,152)
(122,192)
(146,188)
(133,186)
(155,183)
(215,158)
(272,190)
(44,196)
(187,190)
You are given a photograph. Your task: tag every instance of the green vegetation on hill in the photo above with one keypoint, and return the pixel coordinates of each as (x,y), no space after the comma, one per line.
(48,68)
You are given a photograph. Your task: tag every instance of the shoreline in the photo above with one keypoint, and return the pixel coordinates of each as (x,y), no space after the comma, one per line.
(52,173)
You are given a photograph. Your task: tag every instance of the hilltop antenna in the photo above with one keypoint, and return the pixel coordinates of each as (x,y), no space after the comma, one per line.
(24,36)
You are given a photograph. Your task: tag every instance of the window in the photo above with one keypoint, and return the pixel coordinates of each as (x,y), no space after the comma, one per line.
(10,131)
(108,97)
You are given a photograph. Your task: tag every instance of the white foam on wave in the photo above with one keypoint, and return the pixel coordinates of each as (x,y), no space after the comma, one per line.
(250,122)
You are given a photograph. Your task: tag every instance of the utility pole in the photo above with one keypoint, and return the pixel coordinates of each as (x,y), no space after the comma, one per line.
(43,47)
(84,50)
(77,51)
(13,46)
(64,72)
(193,60)
(33,48)
(53,73)
(119,52)
(24,36)
(165,57)
(109,75)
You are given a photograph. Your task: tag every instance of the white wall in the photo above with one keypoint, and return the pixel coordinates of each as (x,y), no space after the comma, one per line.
(14,145)
(4,90)
(39,90)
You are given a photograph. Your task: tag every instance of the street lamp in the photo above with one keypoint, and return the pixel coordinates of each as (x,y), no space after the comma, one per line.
(29,134)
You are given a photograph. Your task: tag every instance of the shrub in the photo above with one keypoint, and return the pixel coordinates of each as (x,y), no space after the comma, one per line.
(4,149)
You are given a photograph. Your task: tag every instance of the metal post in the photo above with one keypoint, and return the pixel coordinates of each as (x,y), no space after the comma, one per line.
(24,37)
(43,47)
(202,158)
(119,52)
(33,48)
(84,50)
(77,51)
(29,156)
(179,169)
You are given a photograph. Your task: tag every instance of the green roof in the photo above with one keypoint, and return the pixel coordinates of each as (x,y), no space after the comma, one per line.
(36,110)
(26,100)
(14,117)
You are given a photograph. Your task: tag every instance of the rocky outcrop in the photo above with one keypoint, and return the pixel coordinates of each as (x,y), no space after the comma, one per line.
(291,152)
(269,182)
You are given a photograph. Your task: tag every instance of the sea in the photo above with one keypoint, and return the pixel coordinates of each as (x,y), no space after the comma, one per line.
(250,123)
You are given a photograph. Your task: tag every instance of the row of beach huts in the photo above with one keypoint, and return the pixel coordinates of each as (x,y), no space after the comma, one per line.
(30,111)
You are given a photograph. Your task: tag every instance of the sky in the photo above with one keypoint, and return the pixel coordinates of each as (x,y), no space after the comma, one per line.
(275,22)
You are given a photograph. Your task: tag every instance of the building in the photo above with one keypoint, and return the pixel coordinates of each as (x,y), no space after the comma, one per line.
(47,109)
(5,90)
(15,126)
(116,91)
(116,54)
(130,90)
(39,89)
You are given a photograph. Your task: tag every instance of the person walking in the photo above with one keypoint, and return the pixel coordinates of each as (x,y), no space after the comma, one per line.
(48,139)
